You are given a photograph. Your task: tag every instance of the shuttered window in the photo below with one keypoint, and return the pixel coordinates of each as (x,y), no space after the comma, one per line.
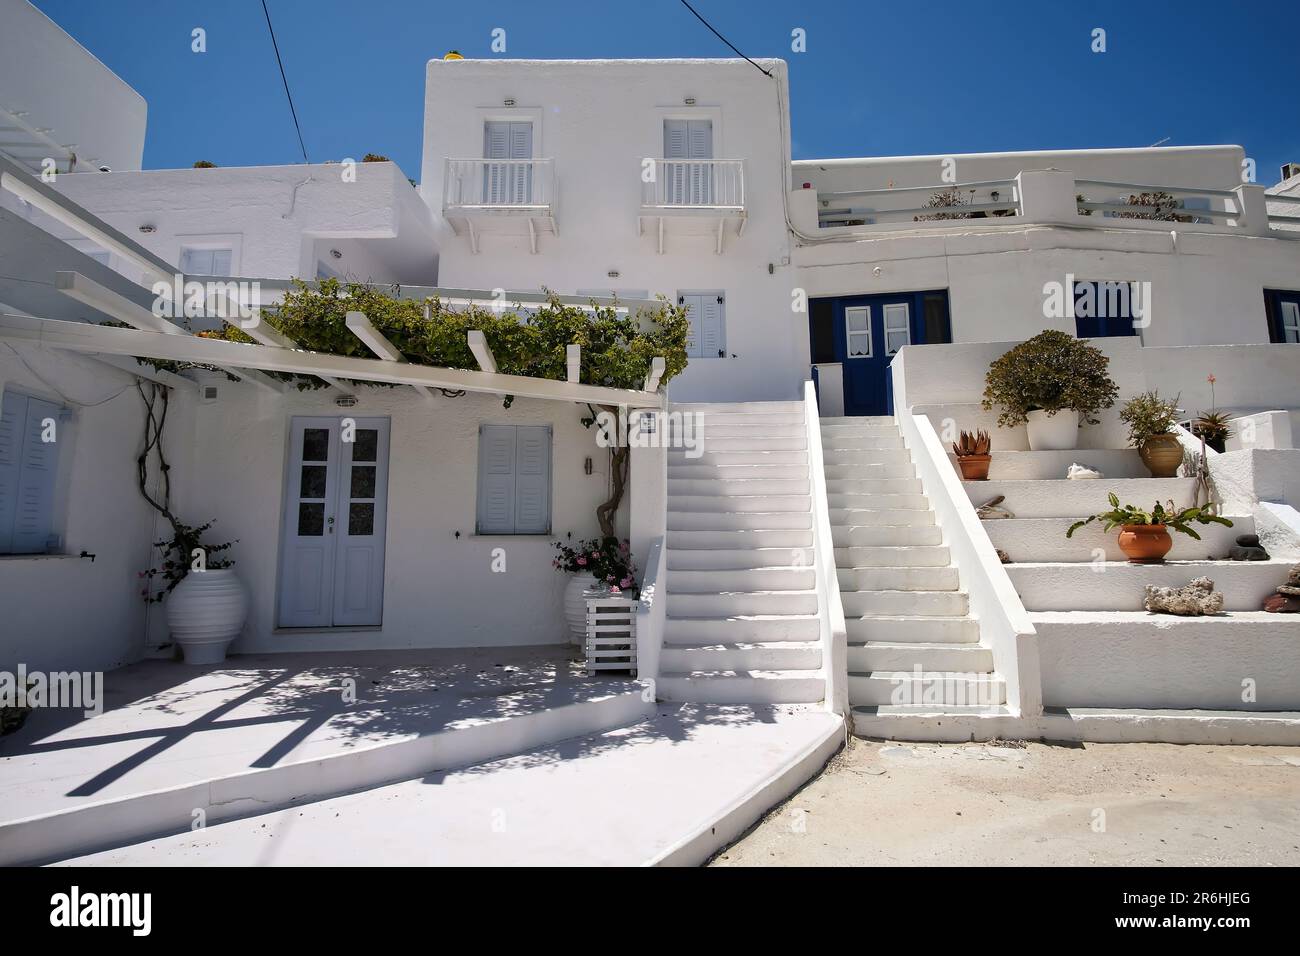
(514,479)
(507,184)
(687,183)
(28,467)
(707,337)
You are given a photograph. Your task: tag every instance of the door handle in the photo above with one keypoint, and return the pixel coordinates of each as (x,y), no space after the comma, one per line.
(330,523)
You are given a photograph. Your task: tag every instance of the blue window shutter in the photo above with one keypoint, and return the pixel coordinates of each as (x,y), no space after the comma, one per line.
(13,419)
(711,327)
(496,479)
(694,340)
(533,479)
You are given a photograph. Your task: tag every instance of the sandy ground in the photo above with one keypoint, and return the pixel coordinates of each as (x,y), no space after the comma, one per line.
(1070,804)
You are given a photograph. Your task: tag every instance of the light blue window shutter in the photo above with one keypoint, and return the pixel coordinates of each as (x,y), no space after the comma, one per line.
(34,517)
(711,327)
(496,140)
(533,479)
(675,139)
(693,337)
(13,418)
(496,479)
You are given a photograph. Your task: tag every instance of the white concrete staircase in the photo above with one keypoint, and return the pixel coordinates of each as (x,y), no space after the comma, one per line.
(913,647)
(742,609)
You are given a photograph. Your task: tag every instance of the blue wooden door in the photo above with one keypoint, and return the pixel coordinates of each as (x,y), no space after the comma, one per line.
(869,331)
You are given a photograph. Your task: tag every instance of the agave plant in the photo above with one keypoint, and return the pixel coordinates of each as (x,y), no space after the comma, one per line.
(1213,427)
(1165,514)
(968,444)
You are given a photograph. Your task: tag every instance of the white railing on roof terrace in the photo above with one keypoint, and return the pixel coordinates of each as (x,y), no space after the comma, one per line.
(1286,213)
(708,184)
(498,185)
(1190,204)
(904,204)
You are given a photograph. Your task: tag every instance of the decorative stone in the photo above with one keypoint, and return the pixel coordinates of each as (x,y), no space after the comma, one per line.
(1245,553)
(1003,556)
(990,509)
(1289,590)
(1191,600)
(1248,541)
(1282,604)
(1077,472)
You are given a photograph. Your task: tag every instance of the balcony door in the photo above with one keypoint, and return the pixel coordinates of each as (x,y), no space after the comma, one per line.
(688,183)
(508,183)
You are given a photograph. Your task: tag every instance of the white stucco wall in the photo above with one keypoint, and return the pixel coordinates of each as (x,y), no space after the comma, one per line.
(439,591)
(598,120)
(63,88)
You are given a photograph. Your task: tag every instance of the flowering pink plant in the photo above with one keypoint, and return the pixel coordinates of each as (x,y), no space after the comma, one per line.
(609,559)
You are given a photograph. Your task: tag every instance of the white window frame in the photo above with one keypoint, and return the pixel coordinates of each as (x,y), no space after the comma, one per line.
(1290,329)
(850,332)
(232,241)
(907,324)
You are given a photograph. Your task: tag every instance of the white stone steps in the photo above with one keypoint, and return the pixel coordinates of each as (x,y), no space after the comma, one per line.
(703,456)
(944,688)
(706,427)
(856,517)
(1033,498)
(1043,539)
(886,502)
(898,579)
(743,487)
(738,559)
(1118,586)
(866,456)
(912,603)
(741,656)
(737,520)
(710,472)
(746,503)
(733,603)
(711,417)
(913,629)
(741,408)
(860,431)
(892,556)
(871,487)
(835,442)
(712,445)
(1111,462)
(744,687)
(844,478)
(870,656)
(766,538)
(752,628)
(741,579)
(856,420)
(900,535)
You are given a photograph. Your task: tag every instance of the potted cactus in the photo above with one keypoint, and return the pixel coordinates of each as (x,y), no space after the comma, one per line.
(973,456)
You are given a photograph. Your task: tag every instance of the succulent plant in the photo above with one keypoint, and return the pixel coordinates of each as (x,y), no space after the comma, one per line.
(968,444)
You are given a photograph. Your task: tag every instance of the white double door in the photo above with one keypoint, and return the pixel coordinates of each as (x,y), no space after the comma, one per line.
(335,513)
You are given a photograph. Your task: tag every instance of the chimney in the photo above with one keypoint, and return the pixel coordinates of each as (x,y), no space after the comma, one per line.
(1289,170)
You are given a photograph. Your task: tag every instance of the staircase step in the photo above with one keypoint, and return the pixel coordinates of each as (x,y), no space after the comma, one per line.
(870,487)
(733,603)
(741,656)
(752,628)
(722,459)
(1119,586)
(746,408)
(901,535)
(770,538)
(695,470)
(736,520)
(852,420)
(747,503)
(1111,462)
(859,431)
(744,487)
(744,687)
(747,428)
(857,517)
(930,688)
(743,579)
(1044,540)
(892,556)
(901,629)
(898,579)
(1035,498)
(738,559)
(866,456)
(848,478)
(751,443)
(901,656)
(885,502)
(908,603)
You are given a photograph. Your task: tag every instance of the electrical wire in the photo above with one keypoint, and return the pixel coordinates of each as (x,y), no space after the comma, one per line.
(63,398)
(285,80)
(724,39)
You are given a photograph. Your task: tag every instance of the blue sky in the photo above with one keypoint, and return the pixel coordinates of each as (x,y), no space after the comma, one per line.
(917,76)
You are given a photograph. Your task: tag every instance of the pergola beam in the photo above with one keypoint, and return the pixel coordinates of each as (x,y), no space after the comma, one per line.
(103,299)
(482,353)
(657,366)
(360,325)
(83,337)
(228,309)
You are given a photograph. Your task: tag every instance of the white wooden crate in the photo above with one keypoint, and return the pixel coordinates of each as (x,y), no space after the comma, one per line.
(611,633)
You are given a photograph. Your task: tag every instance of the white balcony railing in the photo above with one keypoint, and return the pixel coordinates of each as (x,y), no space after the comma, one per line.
(704,184)
(499,185)
(907,204)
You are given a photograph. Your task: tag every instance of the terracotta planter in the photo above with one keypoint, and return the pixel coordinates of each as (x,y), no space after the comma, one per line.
(1162,454)
(1053,432)
(974,467)
(1145,543)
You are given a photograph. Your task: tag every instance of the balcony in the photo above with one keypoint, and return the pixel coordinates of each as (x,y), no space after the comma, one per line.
(513,197)
(692,197)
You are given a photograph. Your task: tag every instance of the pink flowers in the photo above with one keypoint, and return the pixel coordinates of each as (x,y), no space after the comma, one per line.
(582,562)
(1211,379)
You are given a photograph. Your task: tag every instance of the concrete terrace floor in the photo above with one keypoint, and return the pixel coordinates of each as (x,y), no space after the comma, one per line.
(167,724)
(1131,804)
(621,797)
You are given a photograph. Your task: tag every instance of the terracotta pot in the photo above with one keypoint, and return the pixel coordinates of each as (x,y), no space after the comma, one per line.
(1053,432)
(1162,454)
(1145,543)
(974,467)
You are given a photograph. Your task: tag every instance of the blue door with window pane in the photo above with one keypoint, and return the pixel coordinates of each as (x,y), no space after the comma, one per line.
(863,334)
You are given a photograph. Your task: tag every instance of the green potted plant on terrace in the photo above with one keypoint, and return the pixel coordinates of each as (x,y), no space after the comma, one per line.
(1151,421)
(1144,535)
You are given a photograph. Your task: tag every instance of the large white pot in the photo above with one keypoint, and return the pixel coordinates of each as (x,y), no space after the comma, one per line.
(575,605)
(1053,432)
(205,613)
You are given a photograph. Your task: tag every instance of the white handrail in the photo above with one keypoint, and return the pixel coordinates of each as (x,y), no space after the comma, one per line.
(830,607)
(650,615)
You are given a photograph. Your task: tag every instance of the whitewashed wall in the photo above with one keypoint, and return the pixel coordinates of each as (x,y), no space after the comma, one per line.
(598,119)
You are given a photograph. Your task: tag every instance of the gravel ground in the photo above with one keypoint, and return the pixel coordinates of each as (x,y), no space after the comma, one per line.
(1012,804)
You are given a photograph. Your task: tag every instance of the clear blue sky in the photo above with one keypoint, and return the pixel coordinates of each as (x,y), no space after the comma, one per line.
(917,76)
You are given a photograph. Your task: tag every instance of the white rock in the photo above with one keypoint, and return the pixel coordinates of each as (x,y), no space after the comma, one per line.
(1078,471)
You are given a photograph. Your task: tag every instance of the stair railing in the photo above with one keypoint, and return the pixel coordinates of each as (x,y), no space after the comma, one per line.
(830,609)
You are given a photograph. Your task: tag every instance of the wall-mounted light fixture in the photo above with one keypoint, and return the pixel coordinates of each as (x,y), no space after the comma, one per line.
(586,466)
(994,195)
(689,101)
(336,254)
(148,228)
(346,401)
(613,273)
(509,101)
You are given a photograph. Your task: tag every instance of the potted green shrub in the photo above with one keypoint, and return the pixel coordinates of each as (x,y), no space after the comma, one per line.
(1151,421)
(1144,535)
(1048,383)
